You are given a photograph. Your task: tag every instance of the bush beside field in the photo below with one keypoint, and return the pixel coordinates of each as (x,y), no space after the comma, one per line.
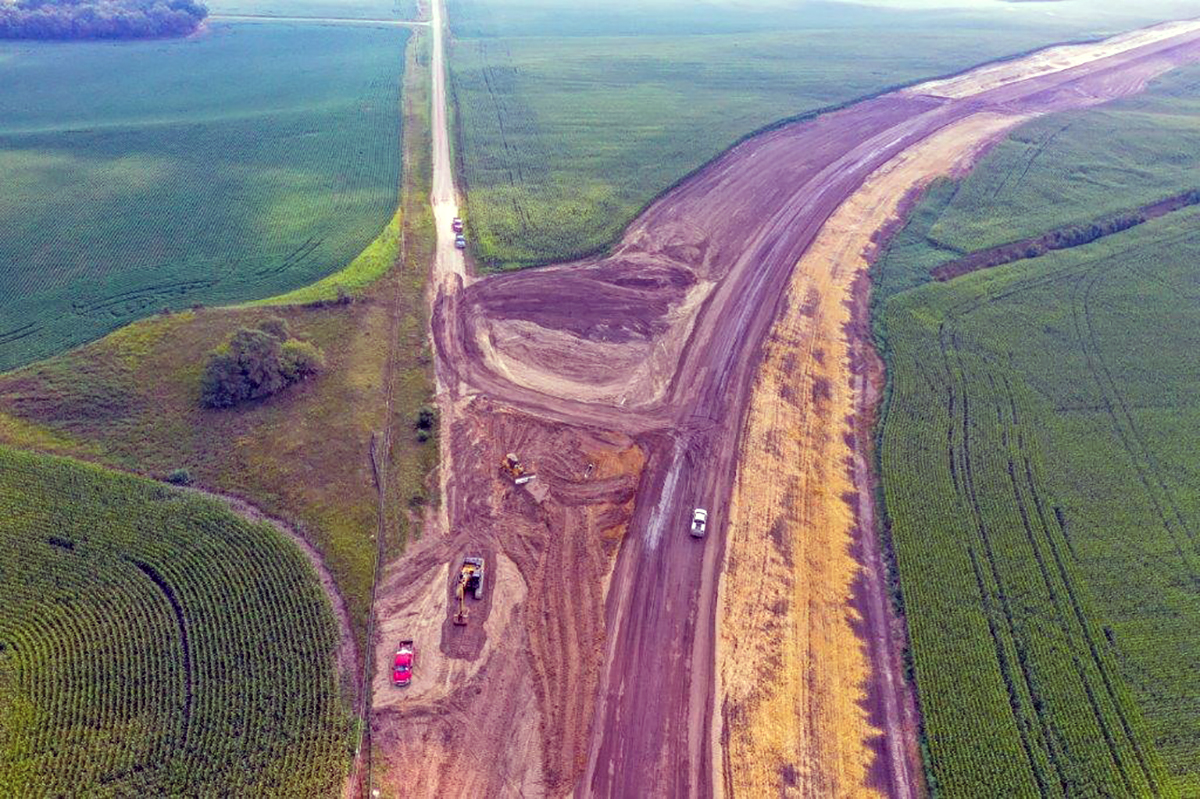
(1038,462)
(153,644)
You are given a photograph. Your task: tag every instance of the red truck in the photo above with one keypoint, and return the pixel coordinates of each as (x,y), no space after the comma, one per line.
(402,664)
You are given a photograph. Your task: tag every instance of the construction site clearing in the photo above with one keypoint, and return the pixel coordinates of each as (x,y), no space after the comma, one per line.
(716,360)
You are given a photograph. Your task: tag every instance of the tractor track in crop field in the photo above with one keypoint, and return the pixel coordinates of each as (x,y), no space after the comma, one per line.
(728,324)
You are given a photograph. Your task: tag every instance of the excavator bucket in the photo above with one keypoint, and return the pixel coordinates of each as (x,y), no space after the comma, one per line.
(460,618)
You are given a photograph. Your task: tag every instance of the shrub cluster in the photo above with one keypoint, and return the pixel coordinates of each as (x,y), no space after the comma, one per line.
(99,19)
(1083,234)
(426,421)
(257,363)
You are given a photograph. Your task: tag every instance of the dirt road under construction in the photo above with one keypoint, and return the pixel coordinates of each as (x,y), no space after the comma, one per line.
(626,383)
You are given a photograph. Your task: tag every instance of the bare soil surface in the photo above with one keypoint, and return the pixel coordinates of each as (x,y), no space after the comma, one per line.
(504,703)
(624,382)
(808,678)
(1050,60)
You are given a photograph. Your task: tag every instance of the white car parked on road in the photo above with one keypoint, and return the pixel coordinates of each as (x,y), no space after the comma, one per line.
(699,522)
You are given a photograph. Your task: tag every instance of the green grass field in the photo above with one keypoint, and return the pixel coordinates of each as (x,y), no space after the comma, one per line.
(570,119)
(1039,470)
(246,162)
(153,644)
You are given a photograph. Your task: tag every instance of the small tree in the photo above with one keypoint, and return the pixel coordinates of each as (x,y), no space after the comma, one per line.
(257,363)
(222,385)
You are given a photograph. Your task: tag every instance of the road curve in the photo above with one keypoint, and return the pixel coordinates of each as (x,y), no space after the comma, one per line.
(731,235)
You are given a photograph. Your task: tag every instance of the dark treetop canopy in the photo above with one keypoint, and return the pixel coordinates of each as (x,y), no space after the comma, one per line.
(98,19)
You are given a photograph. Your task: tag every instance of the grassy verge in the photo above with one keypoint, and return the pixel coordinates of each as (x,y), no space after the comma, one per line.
(1035,464)
(366,268)
(414,452)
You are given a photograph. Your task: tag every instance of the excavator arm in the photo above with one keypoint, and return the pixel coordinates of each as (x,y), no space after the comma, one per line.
(470,578)
(460,591)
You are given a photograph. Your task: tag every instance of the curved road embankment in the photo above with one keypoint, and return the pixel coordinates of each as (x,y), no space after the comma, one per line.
(697,283)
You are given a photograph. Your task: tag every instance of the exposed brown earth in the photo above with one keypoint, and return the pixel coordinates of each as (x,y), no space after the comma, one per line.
(800,710)
(512,689)
(569,678)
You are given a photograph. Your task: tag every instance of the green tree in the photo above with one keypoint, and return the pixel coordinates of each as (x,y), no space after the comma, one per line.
(256,364)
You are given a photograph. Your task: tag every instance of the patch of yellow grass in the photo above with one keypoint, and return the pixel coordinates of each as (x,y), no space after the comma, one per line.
(23,434)
(791,666)
(791,670)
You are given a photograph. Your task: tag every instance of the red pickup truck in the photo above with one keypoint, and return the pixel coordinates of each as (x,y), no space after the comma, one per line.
(402,665)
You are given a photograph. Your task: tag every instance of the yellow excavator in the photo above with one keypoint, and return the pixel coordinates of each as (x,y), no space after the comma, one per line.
(470,579)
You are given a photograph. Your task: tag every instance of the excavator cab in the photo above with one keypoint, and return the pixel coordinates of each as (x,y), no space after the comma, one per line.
(470,580)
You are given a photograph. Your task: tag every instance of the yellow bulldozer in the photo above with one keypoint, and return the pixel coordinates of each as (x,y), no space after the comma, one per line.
(513,466)
(470,580)
(515,469)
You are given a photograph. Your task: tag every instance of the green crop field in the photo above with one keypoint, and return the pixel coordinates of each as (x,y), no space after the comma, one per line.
(571,119)
(248,161)
(1066,169)
(1038,459)
(131,399)
(153,644)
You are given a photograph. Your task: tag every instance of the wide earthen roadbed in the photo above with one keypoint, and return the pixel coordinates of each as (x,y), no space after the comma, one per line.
(649,382)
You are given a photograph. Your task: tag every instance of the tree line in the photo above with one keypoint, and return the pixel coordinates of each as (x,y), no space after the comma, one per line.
(99,19)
